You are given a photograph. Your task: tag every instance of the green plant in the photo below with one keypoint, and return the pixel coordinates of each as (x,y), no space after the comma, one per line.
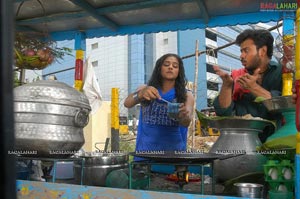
(36,52)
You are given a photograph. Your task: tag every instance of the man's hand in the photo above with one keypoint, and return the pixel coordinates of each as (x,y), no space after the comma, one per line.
(226,89)
(248,81)
(252,83)
(226,78)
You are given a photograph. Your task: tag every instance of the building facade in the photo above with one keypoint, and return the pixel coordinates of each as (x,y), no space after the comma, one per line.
(126,62)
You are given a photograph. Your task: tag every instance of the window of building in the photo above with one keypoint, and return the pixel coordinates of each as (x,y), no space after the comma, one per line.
(209,68)
(166,41)
(95,63)
(210,102)
(94,46)
(210,35)
(214,54)
(212,86)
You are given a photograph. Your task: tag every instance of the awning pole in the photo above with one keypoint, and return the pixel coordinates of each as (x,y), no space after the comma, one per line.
(195,86)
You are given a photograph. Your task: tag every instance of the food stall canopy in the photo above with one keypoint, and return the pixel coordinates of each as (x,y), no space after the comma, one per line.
(62,19)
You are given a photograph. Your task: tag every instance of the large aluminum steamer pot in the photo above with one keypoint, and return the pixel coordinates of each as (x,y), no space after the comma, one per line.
(242,142)
(97,166)
(49,119)
(238,136)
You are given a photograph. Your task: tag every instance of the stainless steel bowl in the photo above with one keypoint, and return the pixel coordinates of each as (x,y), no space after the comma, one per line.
(249,190)
(97,166)
(234,122)
(280,104)
(105,158)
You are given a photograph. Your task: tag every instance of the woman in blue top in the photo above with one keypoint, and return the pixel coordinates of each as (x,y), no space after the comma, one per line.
(157,130)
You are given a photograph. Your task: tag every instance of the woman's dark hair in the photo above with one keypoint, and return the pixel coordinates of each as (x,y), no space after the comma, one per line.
(180,82)
(260,38)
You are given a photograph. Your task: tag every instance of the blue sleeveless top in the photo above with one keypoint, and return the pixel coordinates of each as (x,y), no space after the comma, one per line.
(157,131)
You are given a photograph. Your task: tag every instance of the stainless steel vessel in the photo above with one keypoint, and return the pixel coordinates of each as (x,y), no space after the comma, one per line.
(242,142)
(249,190)
(238,136)
(97,166)
(49,119)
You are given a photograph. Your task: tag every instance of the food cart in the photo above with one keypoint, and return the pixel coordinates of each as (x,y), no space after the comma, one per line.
(79,19)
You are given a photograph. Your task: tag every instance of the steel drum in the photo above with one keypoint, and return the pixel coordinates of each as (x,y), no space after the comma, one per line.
(49,119)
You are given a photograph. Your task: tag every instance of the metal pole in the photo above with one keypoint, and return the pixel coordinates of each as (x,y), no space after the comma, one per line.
(115,119)
(8,172)
(297,86)
(22,76)
(59,71)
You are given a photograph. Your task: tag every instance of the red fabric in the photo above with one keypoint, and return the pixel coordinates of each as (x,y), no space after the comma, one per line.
(79,69)
(238,91)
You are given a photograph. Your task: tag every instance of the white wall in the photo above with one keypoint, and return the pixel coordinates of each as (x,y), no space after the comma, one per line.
(112,57)
(165,42)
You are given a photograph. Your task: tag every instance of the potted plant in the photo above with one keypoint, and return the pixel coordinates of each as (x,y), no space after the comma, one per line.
(35,52)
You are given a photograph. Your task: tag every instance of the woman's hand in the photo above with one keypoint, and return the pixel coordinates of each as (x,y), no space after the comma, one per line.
(148,93)
(133,98)
(186,110)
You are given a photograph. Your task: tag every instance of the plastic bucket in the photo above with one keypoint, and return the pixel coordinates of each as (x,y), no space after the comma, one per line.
(281,195)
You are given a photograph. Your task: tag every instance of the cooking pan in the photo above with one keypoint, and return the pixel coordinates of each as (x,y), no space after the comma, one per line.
(280,104)
(234,122)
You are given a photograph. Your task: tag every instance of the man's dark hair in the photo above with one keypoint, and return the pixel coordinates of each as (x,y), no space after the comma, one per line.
(260,38)
(180,82)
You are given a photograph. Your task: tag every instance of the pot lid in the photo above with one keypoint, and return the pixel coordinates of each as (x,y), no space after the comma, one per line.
(101,154)
(182,156)
(52,92)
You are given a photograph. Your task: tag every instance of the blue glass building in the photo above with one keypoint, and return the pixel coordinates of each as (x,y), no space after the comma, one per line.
(126,62)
